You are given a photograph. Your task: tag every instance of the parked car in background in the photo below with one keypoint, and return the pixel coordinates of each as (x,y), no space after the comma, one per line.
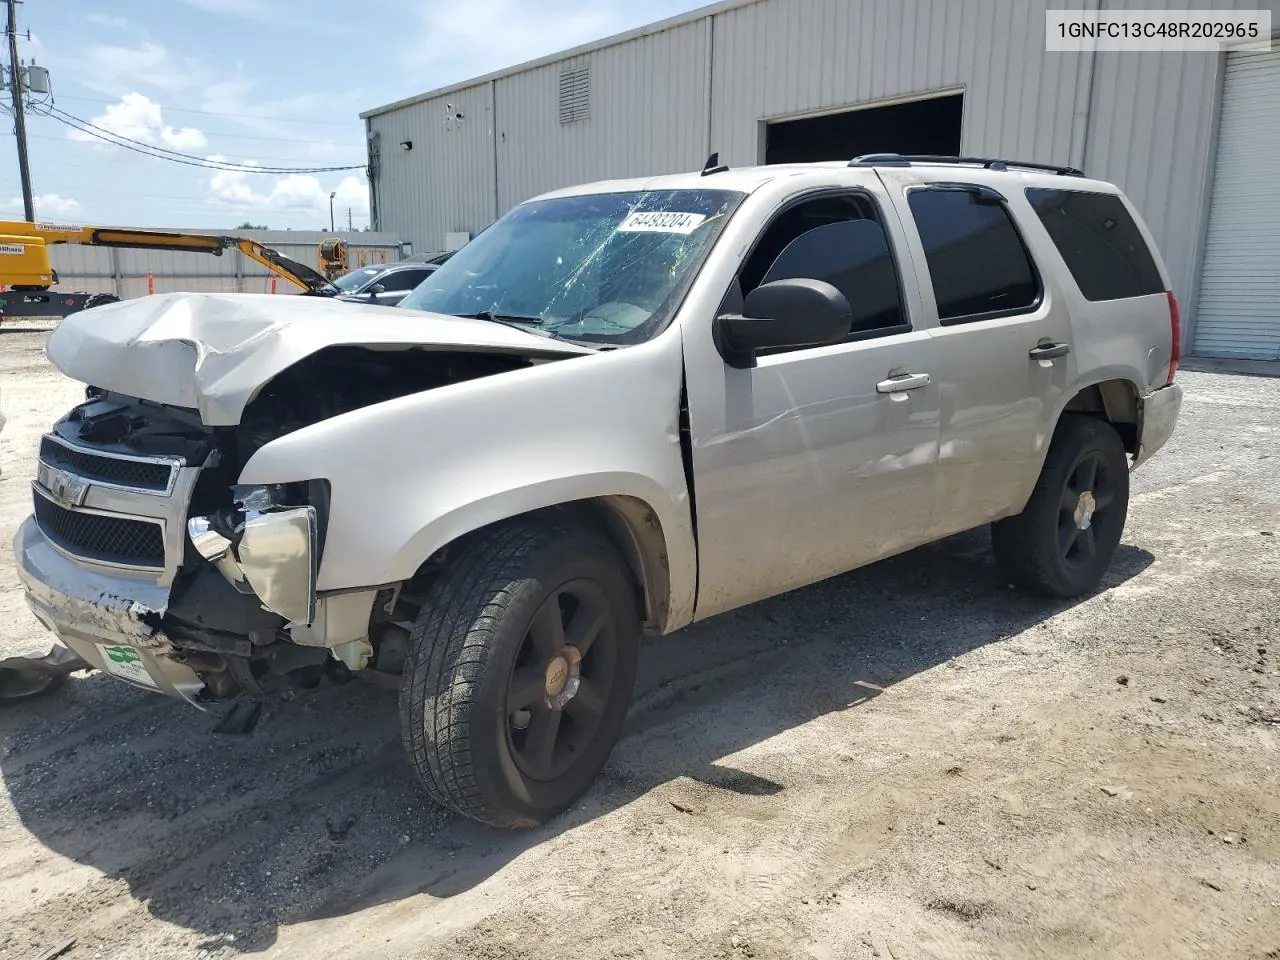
(385,284)
(433,258)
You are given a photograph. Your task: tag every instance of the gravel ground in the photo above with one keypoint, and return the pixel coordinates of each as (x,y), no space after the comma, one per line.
(909,761)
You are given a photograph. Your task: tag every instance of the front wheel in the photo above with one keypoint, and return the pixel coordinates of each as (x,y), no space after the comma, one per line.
(520,671)
(1062,542)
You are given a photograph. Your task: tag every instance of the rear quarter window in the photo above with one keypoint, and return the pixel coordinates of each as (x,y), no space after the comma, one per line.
(1099,242)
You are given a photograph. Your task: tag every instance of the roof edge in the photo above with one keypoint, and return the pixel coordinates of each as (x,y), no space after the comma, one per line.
(679,20)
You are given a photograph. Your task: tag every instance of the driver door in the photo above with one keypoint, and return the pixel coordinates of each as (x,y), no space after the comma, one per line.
(818,459)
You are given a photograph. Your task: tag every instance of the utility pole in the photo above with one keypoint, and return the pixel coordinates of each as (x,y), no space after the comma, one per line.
(332,194)
(350,228)
(19,121)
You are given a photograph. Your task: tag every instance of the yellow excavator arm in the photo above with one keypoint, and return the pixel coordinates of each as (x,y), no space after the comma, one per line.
(24,252)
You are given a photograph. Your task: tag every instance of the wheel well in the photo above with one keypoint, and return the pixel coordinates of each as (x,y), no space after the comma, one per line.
(1115,401)
(630,525)
(635,531)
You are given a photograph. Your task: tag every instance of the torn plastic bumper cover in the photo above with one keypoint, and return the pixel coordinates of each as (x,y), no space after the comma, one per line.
(90,610)
(23,677)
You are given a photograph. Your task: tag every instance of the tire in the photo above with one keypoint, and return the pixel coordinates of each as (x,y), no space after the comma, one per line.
(476,710)
(1044,549)
(98,299)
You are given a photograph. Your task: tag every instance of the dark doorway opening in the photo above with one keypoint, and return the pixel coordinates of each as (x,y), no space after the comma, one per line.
(921,126)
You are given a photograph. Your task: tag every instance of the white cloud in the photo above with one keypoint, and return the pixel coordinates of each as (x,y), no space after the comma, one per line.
(244,9)
(49,206)
(53,205)
(137,117)
(108,20)
(482,35)
(249,104)
(108,68)
(298,192)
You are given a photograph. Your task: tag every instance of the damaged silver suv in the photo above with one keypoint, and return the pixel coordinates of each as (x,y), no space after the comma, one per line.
(624,407)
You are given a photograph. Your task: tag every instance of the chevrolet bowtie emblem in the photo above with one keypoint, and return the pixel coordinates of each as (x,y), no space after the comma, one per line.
(66,488)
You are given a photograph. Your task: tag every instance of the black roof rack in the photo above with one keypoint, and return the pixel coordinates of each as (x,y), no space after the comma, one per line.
(990,163)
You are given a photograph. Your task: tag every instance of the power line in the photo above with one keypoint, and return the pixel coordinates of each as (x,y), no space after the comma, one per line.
(217,113)
(89,127)
(86,143)
(250,136)
(174,156)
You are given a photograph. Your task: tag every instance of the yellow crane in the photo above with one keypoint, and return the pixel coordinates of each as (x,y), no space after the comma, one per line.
(25,269)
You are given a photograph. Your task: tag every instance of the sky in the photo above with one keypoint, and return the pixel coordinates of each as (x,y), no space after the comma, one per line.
(272,83)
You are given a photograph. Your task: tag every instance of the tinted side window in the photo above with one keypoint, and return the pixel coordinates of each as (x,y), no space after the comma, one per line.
(854,257)
(976,257)
(403,279)
(1099,242)
(840,240)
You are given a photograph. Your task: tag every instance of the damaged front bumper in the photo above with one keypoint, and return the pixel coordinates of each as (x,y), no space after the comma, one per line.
(111,620)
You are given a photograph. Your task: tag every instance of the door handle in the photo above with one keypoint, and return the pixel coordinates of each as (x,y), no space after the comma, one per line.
(1049,351)
(909,381)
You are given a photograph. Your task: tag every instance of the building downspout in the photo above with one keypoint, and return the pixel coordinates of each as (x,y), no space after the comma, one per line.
(1081,121)
(710,92)
(493,117)
(371,173)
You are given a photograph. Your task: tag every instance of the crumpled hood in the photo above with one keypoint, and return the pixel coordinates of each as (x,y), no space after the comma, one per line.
(213,352)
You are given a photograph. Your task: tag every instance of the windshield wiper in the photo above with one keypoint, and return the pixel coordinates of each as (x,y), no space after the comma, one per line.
(507,318)
(517,322)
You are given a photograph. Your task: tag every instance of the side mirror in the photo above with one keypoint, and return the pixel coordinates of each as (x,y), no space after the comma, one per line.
(784,313)
(376,289)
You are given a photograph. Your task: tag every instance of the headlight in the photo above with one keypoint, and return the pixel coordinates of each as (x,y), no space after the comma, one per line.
(273,550)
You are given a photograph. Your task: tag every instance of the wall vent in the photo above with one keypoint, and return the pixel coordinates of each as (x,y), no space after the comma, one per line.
(575,91)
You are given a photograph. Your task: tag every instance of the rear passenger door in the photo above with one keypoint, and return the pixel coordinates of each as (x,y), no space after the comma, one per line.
(1003,342)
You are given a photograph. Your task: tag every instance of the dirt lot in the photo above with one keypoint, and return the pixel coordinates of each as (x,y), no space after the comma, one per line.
(910,761)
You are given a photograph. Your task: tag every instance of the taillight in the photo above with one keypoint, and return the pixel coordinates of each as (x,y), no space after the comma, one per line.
(1175,329)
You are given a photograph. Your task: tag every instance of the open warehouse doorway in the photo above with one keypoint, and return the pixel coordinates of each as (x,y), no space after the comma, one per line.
(930,125)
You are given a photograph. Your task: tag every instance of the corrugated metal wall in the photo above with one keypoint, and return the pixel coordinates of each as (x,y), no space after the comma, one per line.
(648,116)
(445,182)
(124,272)
(1152,129)
(823,55)
(1142,120)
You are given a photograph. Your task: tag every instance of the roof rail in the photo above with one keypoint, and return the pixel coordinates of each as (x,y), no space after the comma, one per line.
(990,163)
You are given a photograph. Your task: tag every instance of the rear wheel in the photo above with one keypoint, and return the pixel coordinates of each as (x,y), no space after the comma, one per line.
(520,671)
(1062,543)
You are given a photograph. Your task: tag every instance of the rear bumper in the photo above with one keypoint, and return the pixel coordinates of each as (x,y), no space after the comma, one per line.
(85,608)
(1159,416)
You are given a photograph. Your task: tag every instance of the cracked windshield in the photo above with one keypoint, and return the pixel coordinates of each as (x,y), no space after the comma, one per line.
(603,268)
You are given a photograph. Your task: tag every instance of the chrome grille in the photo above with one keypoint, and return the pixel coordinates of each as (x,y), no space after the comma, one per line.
(101,537)
(139,474)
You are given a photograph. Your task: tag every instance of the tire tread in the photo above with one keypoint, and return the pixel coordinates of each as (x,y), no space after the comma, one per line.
(451,647)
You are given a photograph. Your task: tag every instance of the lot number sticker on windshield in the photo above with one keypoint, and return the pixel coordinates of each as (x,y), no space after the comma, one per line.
(127,663)
(658,221)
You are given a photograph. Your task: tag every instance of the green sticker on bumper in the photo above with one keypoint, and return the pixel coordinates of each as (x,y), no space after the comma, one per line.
(127,663)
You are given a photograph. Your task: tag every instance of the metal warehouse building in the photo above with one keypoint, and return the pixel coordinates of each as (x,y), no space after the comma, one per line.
(1192,138)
